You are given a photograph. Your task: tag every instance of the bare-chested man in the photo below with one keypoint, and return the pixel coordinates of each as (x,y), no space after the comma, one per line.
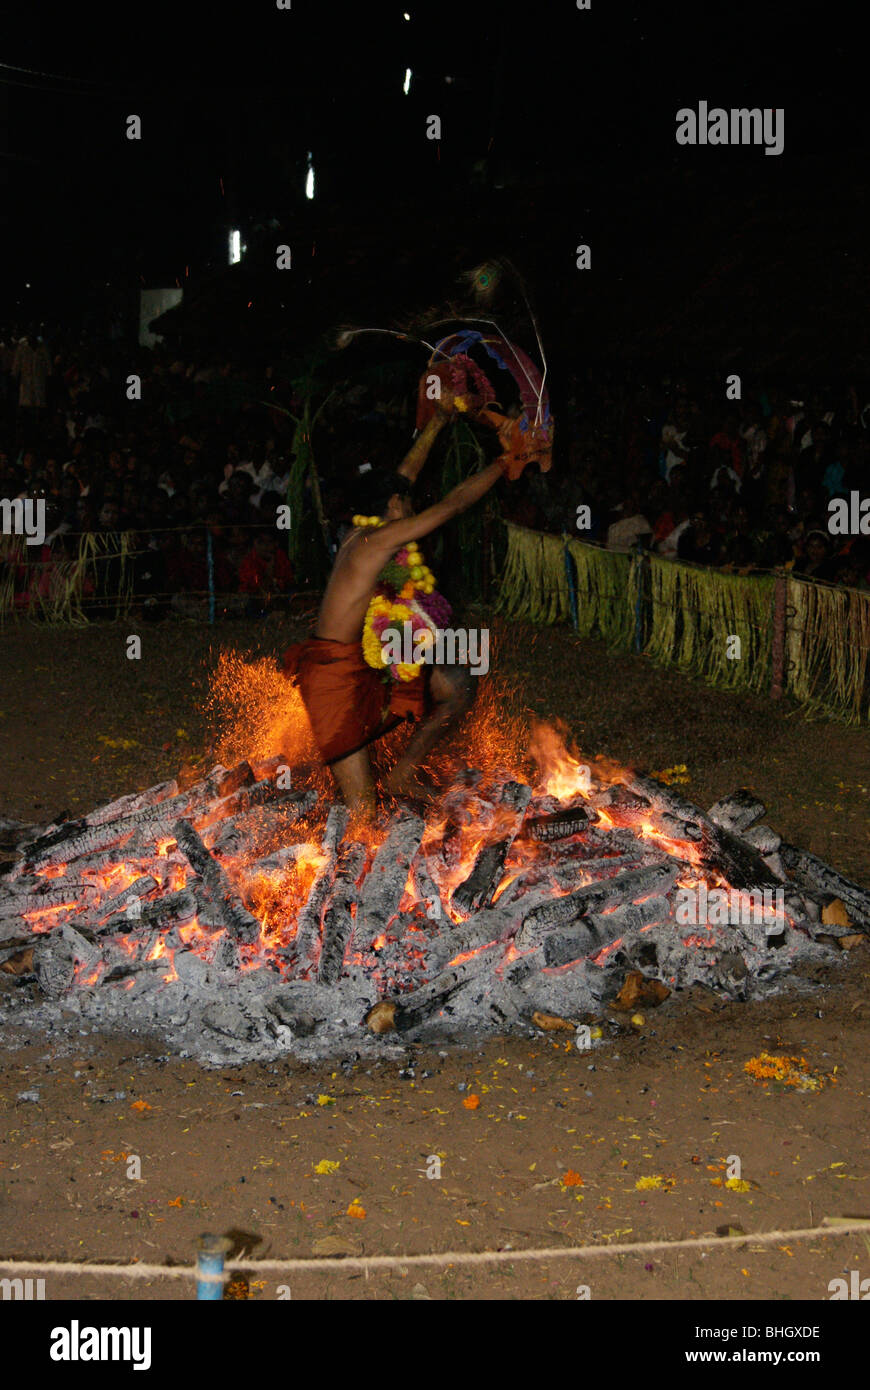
(348,702)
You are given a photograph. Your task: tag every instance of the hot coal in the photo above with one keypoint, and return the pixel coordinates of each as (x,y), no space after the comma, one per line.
(234,915)
(598,929)
(417,1007)
(220,918)
(338,919)
(630,886)
(306,947)
(385,882)
(478,888)
(561,824)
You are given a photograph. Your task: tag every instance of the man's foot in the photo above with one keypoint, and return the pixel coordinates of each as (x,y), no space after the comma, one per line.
(410,785)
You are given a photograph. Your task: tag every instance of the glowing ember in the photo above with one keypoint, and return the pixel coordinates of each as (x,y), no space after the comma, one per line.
(533,883)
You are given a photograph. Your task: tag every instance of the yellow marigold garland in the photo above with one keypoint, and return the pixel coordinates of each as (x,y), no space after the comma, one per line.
(395,602)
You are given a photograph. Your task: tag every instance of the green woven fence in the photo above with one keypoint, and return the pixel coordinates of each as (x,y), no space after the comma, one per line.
(695,617)
(704,622)
(678,615)
(95,573)
(828,650)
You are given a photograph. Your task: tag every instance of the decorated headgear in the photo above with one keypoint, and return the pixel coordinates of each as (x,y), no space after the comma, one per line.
(526,438)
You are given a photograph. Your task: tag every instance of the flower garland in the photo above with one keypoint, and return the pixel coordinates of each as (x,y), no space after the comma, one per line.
(405,593)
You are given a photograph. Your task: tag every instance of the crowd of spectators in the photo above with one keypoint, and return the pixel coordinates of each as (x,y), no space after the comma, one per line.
(742,485)
(196,466)
(190,475)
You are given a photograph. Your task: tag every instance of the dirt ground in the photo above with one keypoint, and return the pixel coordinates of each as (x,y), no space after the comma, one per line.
(631,1142)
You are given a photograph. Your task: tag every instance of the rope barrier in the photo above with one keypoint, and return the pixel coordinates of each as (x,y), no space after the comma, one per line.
(300,1264)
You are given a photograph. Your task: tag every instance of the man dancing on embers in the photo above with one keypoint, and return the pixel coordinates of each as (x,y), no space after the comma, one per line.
(354,696)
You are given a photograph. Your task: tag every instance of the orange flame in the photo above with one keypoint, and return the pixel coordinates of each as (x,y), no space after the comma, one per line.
(561,774)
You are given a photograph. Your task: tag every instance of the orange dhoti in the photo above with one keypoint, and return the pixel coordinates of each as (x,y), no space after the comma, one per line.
(348,703)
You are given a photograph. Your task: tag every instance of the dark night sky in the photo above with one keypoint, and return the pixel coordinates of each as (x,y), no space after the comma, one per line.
(242,92)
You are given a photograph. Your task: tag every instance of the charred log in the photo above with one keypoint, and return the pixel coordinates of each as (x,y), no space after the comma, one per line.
(64,847)
(122,902)
(591,933)
(721,850)
(740,863)
(523,967)
(173,908)
(385,881)
(303,951)
(338,922)
(627,887)
(484,878)
(235,916)
(137,801)
(484,928)
(477,890)
(75,895)
(811,872)
(413,1009)
(738,811)
(762,838)
(623,802)
(561,824)
(427,890)
(58,955)
(261,793)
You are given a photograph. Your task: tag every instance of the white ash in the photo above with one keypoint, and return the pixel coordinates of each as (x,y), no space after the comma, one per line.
(174,955)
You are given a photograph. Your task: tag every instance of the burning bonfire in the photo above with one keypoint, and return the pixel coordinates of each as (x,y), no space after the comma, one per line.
(247,916)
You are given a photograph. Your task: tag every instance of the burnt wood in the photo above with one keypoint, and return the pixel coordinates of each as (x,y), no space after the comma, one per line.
(414,1008)
(721,850)
(586,937)
(385,882)
(427,889)
(306,944)
(172,909)
(478,888)
(627,887)
(561,824)
(738,811)
(338,921)
(136,801)
(810,872)
(238,921)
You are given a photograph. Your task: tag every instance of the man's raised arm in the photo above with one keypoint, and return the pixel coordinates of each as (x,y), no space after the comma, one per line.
(397,533)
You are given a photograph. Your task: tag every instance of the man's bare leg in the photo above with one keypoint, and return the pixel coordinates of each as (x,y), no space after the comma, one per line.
(355,782)
(452,690)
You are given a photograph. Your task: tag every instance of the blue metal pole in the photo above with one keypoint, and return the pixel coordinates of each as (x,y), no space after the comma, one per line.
(210,1251)
(572,587)
(639,560)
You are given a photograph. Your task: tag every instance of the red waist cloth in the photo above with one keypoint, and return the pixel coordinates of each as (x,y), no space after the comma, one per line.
(347,701)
